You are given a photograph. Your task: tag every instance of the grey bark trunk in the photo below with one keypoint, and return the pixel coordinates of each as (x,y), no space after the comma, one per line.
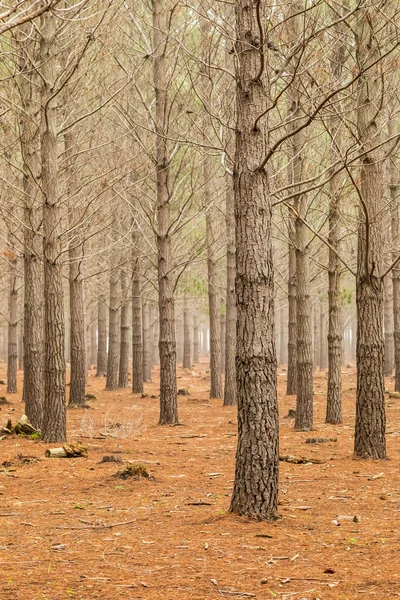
(388,326)
(12,354)
(323,362)
(137,341)
(395,234)
(124,334)
(291,386)
(54,419)
(230,396)
(369,439)
(113,330)
(186,335)
(101,363)
(146,342)
(255,490)
(196,339)
(167,341)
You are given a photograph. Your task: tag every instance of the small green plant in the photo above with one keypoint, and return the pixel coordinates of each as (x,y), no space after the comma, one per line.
(36,436)
(79,507)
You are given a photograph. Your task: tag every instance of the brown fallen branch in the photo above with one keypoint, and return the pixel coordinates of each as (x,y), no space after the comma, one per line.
(300,460)
(108,526)
(67,451)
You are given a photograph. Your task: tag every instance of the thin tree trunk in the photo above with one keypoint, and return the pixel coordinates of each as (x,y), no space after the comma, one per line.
(316,334)
(388,325)
(230,396)
(93,335)
(12,354)
(284,337)
(167,342)
(395,234)
(124,335)
(196,339)
(291,386)
(223,333)
(179,340)
(369,439)
(54,420)
(137,341)
(186,335)
(101,363)
(255,490)
(113,330)
(323,358)
(76,302)
(21,346)
(146,342)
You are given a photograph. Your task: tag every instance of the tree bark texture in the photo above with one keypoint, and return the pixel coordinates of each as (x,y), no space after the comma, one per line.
(101,363)
(196,339)
(12,354)
(291,386)
(137,341)
(369,439)
(316,333)
(124,334)
(113,329)
(146,342)
(395,235)
(167,341)
(186,335)
(230,396)
(388,325)
(255,488)
(54,419)
(322,359)
(76,301)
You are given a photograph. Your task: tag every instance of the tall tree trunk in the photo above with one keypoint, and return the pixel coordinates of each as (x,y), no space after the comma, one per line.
(316,333)
(93,334)
(167,342)
(124,335)
(146,342)
(223,333)
(322,335)
(388,325)
(12,354)
(255,491)
(211,213)
(334,391)
(186,334)
(76,302)
(369,439)
(54,420)
(284,337)
(21,346)
(230,397)
(179,340)
(291,385)
(395,235)
(113,329)
(101,363)
(137,341)
(196,339)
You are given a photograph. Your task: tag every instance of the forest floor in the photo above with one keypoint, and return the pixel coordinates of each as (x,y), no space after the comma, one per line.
(70,529)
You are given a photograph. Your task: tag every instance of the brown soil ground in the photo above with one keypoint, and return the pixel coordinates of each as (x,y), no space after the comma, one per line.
(69,529)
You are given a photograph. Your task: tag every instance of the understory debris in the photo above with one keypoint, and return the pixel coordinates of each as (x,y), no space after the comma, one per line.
(90,397)
(291,413)
(320,440)
(23,427)
(19,460)
(3,400)
(111,458)
(183,392)
(67,451)
(300,460)
(135,471)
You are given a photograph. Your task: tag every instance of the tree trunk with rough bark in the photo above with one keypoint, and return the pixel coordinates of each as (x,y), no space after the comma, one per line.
(12,354)
(113,328)
(316,334)
(255,490)
(33,387)
(167,341)
(137,341)
(124,334)
(76,302)
(283,348)
(101,363)
(186,335)
(196,339)
(223,333)
(323,358)
(54,418)
(388,325)
(146,342)
(230,397)
(369,439)
(395,235)
(291,385)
